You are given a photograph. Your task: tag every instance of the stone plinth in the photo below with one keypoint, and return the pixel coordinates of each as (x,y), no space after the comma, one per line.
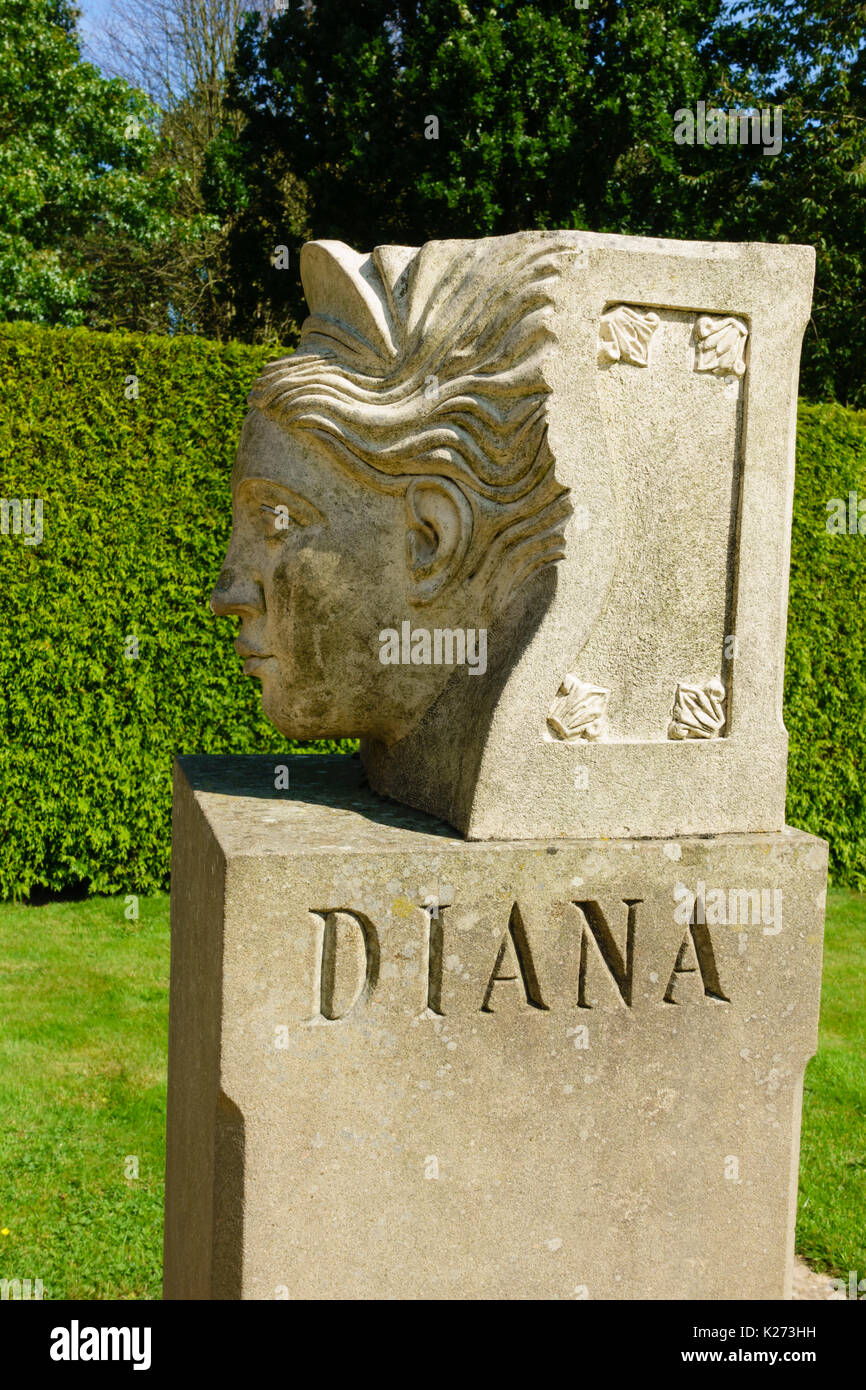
(404,1065)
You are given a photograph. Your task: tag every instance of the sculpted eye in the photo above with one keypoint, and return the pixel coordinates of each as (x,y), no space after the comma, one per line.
(276,520)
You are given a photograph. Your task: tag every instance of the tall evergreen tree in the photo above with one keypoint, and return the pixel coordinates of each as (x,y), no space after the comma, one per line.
(411,119)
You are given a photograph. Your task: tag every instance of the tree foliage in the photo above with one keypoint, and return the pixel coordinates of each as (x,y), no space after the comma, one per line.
(75,150)
(806,57)
(438,118)
(179,52)
(403,120)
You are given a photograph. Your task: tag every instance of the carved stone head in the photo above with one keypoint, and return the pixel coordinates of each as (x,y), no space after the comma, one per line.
(395,468)
(517,514)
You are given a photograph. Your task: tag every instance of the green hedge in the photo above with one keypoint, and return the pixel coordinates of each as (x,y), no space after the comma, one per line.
(825,679)
(136,519)
(137,511)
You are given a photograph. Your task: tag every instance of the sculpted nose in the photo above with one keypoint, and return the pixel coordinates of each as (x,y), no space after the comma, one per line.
(236,594)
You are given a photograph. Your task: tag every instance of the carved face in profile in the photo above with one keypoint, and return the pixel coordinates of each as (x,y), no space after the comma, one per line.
(394,469)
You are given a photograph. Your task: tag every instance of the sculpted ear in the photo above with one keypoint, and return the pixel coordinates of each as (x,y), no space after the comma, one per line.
(440,529)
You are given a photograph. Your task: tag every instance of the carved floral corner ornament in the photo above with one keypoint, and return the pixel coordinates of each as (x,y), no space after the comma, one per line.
(625,335)
(699,711)
(579,710)
(721,344)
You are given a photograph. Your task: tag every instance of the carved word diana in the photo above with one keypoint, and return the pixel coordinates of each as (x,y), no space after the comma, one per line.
(519,967)
(442,647)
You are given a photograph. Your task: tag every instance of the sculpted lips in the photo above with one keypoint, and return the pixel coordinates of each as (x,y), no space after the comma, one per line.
(252,658)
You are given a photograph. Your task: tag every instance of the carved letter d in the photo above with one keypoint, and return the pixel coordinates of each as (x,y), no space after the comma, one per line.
(348,963)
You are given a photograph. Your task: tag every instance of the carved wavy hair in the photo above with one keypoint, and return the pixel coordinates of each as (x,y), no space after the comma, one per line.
(414,363)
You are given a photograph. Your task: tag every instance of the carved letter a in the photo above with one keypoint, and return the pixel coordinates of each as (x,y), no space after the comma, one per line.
(698,938)
(516,936)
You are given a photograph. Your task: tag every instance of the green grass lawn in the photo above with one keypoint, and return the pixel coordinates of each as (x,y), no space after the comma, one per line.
(83,1028)
(83,1032)
(831,1216)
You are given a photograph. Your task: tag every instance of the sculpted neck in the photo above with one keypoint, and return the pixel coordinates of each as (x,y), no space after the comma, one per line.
(453,763)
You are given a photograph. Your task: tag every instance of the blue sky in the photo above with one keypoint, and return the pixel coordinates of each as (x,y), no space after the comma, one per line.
(94,9)
(92,12)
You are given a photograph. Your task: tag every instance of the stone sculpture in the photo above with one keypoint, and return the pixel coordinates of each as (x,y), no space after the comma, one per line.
(516,514)
(462,448)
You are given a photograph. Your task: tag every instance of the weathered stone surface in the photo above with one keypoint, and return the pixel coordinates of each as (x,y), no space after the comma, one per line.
(558,1087)
(517,514)
(580,446)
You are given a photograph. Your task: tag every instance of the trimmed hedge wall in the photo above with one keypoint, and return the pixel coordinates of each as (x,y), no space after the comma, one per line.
(137,512)
(136,503)
(825,673)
